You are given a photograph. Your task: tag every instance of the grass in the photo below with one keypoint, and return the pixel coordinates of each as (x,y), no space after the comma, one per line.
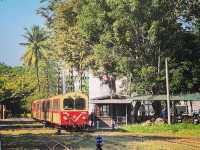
(182,129)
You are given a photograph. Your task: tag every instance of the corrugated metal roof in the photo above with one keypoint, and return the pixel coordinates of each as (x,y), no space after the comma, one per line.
(123,100)
(184,97)
(113,96)
(111,101)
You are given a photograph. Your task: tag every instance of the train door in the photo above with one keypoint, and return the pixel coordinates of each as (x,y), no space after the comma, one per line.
(40,110)
(44,110)
(56,111)
(33,110)
(37,110)
(47,110)
(51,110)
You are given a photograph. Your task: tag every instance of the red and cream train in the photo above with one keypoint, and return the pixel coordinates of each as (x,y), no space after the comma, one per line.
(68,111)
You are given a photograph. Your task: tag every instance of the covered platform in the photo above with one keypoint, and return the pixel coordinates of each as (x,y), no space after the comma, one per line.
(118,108)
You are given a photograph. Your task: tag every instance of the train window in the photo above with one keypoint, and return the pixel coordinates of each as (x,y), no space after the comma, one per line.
(56,104)
(33,107)
(40,106)
(43,106)
(48,105)
(104,110)
(80,104)
(68,103)
(37,107)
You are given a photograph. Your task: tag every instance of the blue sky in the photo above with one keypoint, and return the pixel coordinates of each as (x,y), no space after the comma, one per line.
(15,15)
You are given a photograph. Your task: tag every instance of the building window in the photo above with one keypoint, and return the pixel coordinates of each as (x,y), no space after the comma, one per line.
(104,111)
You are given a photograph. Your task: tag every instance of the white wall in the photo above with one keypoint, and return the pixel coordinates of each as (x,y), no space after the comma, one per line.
(96,89)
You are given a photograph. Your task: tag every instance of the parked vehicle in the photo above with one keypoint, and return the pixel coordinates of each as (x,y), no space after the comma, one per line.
(68,111)
(179,119)
(195,118)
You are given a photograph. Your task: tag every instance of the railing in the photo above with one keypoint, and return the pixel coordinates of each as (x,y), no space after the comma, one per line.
(120,119)
(109,121)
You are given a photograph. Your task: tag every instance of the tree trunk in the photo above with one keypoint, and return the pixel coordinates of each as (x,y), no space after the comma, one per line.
(159,61)
(112,85)
(156,90)
(174,108)
(37,74)
(47,78)
(72,80)
(135,113)
(191,107)
(58,81)
(157,108)
(81,81)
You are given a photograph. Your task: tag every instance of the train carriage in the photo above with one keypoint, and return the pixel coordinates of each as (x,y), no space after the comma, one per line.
(68,111)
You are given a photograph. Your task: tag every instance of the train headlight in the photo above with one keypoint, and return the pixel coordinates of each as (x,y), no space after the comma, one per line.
(83,117)
(65,117)
(65,113)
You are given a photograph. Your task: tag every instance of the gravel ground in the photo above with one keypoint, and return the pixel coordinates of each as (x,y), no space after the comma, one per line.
(32,138)
(47,139)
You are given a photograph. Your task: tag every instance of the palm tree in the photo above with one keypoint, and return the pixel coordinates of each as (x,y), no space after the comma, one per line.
(35,48)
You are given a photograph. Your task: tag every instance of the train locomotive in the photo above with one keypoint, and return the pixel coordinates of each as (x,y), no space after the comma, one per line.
(66,111)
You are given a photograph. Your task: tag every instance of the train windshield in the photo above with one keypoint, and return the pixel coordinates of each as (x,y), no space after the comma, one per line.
(68,103)
(80,104)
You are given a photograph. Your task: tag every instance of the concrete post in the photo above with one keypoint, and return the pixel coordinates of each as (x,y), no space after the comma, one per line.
(97,124)
(126,116)
(4,109)
(167,89)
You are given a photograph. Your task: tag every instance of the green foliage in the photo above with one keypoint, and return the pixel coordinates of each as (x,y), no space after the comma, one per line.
(67,42)
(126,37)
(116,37)
(17,85)
(184,70)
(148,78)
(35,48)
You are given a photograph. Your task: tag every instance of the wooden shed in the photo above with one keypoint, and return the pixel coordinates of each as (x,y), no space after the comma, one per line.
(113,109)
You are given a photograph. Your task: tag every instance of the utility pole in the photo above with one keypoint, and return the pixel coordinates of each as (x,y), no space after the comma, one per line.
(167,89)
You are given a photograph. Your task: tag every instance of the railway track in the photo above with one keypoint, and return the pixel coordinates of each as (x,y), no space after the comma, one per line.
(64,142)
(186,142)
(6,127)
(43,143)
(19,123)
(73,140)
(192,143)
(55,145)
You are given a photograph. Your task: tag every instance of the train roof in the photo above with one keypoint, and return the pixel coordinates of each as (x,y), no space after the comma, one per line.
(68,95)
